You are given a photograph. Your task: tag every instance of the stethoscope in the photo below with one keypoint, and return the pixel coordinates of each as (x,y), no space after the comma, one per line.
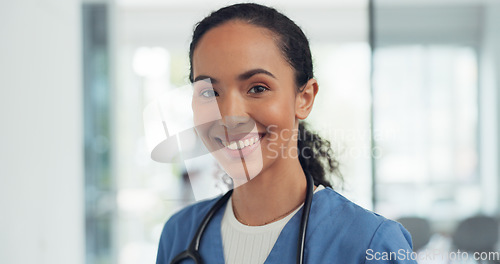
(192,252)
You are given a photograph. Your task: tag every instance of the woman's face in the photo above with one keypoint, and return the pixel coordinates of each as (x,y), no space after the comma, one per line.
(244,99)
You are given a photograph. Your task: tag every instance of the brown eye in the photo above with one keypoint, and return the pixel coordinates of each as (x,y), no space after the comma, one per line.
(257,89)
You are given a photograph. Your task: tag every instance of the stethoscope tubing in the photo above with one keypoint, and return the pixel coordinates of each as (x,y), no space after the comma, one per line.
(305,219)
(192,251)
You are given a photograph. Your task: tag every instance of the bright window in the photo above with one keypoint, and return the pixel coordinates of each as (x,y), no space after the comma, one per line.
(425,103)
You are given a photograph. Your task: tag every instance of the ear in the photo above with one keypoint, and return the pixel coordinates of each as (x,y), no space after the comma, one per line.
(304,100)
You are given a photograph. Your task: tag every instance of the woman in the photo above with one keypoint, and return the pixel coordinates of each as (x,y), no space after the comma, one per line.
(252,74)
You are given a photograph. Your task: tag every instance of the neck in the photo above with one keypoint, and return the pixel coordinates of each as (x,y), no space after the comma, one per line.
(271,195)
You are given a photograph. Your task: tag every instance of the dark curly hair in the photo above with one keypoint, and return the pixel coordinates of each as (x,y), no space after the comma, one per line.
(315,153)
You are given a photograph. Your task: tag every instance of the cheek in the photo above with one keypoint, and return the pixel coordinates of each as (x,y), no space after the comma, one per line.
(202,132)
(279,118)
(202,123)
(204,112)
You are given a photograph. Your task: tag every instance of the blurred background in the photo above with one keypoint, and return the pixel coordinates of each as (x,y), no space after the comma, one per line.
(409,99)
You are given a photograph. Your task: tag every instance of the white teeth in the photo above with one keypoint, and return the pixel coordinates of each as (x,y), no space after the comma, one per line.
(233,145)
(240,144)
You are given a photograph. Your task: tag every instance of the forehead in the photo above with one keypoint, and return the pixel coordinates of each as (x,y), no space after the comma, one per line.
(237,46)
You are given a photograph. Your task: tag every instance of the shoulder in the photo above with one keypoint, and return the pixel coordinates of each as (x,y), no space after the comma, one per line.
(191,214)
(331,205)
(352,229)
(180,228)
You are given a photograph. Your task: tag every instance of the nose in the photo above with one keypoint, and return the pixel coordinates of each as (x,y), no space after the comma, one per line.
(232,108)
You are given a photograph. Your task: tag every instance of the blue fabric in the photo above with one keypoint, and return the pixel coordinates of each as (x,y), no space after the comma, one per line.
(339,231)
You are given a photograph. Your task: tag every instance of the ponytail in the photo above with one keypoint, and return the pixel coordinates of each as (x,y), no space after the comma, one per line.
(316,156)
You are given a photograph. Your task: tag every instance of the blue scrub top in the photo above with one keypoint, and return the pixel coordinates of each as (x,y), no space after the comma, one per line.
(339,231)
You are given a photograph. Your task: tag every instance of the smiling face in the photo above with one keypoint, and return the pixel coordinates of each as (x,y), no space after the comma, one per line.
(244,100)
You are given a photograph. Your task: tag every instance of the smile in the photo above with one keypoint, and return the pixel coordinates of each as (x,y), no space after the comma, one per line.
(241,144)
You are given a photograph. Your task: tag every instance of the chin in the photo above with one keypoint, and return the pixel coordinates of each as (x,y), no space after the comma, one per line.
(240,176)
(242,168)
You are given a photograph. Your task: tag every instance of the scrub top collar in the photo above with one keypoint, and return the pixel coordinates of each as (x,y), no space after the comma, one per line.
(282,252)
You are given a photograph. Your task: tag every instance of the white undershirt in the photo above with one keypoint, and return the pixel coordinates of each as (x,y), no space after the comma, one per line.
(250,244)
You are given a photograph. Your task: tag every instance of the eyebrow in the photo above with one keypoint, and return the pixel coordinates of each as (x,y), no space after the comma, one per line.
(204,77)
(244,76)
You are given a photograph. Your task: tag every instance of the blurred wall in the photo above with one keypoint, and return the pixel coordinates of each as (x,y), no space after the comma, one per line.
(473,23)
(489,109)
(41,182)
